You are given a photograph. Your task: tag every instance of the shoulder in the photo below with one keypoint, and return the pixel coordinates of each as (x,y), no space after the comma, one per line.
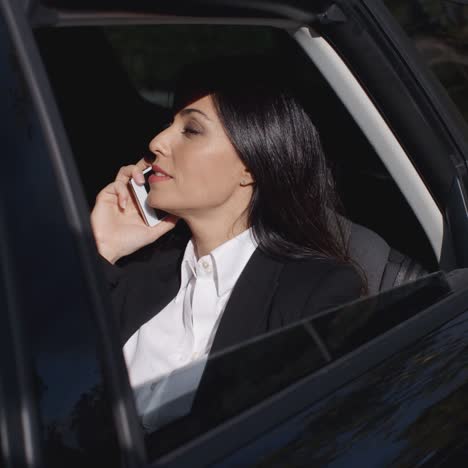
(319,271)
(307,287)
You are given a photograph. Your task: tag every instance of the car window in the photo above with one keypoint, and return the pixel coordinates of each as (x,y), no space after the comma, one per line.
(237,379)
(439,30)
(395,394)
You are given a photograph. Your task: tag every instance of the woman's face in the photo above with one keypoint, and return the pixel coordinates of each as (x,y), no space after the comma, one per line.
(204,172)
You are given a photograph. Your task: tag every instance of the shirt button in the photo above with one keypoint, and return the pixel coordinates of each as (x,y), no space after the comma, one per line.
(206,266)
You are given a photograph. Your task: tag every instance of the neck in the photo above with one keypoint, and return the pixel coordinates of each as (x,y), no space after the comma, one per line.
(209,232)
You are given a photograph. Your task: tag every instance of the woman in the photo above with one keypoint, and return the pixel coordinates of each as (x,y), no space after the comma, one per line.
(242,167)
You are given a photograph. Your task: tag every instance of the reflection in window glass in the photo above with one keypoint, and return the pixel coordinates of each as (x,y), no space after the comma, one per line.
(439,29)
(244,376)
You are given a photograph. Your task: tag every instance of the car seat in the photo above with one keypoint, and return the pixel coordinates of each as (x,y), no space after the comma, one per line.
(384,266)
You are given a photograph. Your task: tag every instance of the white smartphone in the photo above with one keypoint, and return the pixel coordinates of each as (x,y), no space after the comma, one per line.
(150,215)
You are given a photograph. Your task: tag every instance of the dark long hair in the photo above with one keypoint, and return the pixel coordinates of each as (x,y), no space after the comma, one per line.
(293,208)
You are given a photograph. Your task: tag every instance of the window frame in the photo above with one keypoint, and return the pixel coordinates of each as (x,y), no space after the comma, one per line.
(441,158)
(454,124)
(451,123)
(386,145)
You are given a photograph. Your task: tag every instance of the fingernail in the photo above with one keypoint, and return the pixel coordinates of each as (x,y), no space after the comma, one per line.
(124,204)
(141,178)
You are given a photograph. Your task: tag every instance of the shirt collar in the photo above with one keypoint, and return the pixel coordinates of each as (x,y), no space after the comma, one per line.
(189,265)
(229,259)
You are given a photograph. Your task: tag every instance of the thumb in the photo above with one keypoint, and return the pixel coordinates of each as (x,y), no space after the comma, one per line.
(165,225)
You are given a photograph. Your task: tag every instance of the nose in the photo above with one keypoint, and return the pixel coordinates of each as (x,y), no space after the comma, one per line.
(158,146)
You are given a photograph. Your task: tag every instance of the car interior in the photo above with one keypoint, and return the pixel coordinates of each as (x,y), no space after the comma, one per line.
(113,88)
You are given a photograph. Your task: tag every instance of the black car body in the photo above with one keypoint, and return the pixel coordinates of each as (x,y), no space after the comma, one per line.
(379,382)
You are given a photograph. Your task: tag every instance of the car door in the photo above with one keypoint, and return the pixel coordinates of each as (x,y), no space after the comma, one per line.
(64,399)
(403,408)
(381,382)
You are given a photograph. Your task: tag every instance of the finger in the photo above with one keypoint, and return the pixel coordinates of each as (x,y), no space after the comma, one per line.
(137,175)
(122,193)
(141,165)
(108,190)
(125,173)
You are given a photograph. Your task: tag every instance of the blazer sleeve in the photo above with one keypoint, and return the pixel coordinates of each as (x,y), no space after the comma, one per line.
(141,288)
(339,285)
(128,282)
(117,284)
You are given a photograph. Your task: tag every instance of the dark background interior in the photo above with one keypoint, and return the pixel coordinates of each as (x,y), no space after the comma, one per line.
(99,74)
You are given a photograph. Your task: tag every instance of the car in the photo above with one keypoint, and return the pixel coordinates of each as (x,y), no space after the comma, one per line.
(381,381)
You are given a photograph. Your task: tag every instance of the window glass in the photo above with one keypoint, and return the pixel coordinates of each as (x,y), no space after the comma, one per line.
(439,30)
(240,378)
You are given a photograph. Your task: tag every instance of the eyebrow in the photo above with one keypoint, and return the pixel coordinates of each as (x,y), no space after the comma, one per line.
(191,109)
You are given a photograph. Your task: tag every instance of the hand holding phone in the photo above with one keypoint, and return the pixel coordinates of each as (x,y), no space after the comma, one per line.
(150,215)
(117,225)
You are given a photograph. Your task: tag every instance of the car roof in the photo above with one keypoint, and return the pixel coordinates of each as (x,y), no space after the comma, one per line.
(299,10)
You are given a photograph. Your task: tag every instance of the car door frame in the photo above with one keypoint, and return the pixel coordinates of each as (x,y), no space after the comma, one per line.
(415,104)
(446,121)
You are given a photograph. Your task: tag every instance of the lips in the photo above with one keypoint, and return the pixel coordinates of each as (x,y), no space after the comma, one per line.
(160,172)
(159,175)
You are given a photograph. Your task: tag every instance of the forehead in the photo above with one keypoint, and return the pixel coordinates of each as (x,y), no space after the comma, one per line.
(204,104)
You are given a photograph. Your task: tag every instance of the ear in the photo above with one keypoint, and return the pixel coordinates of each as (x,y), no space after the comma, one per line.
(246,178)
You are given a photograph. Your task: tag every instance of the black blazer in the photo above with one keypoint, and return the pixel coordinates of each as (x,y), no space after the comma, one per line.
(269,293)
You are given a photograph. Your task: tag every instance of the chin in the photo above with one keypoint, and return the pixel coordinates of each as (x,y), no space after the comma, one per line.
(179,210)
(157,204)
(168,208)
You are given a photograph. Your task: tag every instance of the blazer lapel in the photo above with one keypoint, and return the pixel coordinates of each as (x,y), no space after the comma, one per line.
(247,311)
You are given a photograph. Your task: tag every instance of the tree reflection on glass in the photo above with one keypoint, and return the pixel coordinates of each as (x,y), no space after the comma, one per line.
(439,29)
(405,409)
(85,438)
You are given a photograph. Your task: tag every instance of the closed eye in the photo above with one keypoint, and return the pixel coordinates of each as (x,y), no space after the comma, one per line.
(190,130)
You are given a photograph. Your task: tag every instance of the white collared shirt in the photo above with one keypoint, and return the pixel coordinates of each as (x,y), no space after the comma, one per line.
(167,355)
